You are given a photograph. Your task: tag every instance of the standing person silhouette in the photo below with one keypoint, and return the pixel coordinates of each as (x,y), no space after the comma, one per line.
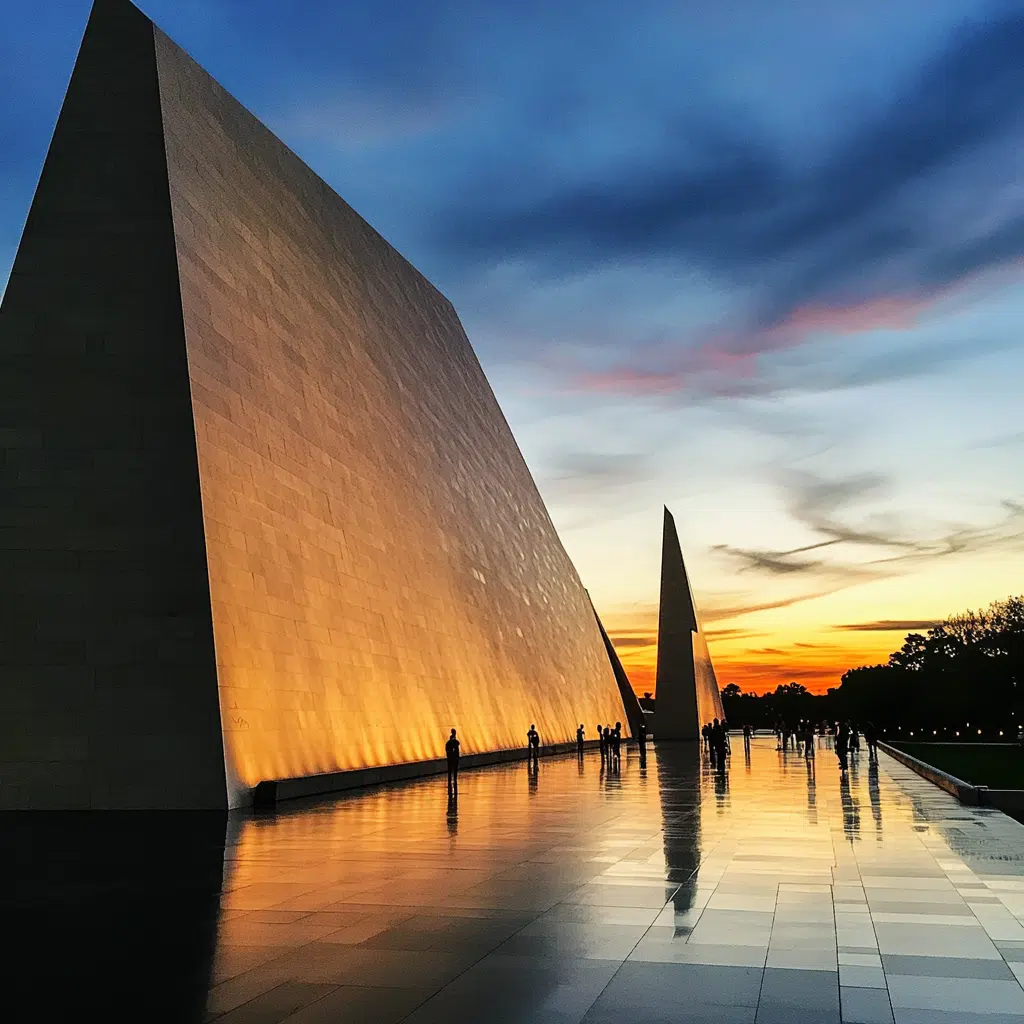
(871,739)
(843,747)
(533,745)
(641,739)
(580,732)
(718,745)
(600,740)
(451,752)
(746,739)
(617,742)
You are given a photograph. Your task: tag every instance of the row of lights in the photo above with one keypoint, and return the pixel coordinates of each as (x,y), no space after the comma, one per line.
(935,732)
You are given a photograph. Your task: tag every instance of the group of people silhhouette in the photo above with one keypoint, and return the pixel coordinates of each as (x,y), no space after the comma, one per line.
(843,737)
(847,743)
(610,741)
(715,736)
(610,738)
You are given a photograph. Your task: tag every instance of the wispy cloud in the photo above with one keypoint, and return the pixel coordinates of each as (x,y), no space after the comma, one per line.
(888,626)
(590,474)
(719,611)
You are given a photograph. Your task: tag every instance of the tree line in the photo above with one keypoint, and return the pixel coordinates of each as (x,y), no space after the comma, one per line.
(963,675)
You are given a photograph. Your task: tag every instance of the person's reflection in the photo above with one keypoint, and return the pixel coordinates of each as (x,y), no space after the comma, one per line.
(721,789)
(812,792)
(678,776)
(452,815)
(746,753)
(876,798)
(533,774)
(851,809)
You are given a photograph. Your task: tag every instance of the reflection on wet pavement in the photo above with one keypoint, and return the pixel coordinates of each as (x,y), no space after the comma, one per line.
(569,894)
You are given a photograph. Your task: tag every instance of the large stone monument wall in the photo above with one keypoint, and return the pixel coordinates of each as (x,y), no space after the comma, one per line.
(264,515)
(686,689)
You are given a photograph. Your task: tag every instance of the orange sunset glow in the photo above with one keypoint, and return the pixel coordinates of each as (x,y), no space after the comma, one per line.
(766,638)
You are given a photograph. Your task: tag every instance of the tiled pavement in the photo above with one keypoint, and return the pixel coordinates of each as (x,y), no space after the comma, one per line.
(572,895)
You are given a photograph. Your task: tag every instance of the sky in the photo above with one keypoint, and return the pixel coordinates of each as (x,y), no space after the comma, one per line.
(759,263)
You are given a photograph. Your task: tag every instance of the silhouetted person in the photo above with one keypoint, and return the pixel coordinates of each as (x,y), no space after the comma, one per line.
(607,737)
(533,744)
(641,739)
(854,740)
(600,740)
(705,734)
(451,752)
(579,739)
(871,739)
(725,734)
(746,739)
(617,742)
(718,745)
(809,740)
(843,747)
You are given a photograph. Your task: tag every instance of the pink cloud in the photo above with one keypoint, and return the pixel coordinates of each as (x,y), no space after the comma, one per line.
(725,358)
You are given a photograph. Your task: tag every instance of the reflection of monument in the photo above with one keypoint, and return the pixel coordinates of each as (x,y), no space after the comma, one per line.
(678,767)
(111,916)
(263,516)
(686,690)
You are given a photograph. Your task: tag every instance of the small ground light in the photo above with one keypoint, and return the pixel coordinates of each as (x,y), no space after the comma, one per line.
(935,732)
(979,732)
(1000,732)
(958,732)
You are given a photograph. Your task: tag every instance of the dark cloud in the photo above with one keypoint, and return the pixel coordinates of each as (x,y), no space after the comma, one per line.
(826,507)
(731,634)
(780,563)
(590,479)
(823,504)
(888,626)
(855,223)
(633,641)
(712,612)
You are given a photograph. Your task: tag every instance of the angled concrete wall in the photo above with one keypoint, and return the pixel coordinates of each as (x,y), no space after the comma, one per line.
(107,680)
(315,535)
(686,689)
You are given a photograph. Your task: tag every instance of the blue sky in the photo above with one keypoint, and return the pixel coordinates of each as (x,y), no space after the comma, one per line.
(759,262)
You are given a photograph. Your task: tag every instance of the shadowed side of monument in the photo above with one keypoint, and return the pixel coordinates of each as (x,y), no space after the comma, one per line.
(107,678)
(686,689)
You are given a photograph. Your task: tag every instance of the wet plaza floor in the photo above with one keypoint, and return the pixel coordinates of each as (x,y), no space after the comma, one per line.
(664,893)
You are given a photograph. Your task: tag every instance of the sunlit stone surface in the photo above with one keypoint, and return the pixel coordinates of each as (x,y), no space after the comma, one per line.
(686,687)
(253,468)
(660,894)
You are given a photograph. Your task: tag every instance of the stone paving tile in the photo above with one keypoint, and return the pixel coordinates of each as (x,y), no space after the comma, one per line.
(661,893)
